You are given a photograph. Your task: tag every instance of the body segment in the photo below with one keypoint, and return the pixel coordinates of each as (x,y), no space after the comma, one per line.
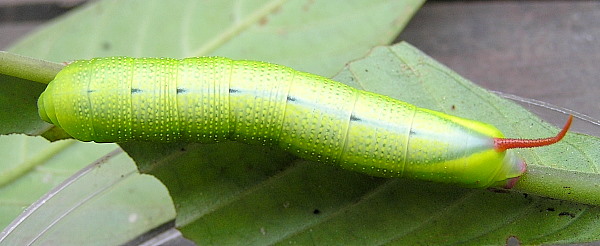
(211,99)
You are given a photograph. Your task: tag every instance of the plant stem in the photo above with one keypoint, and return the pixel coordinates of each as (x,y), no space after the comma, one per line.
(561,184)
(28,68)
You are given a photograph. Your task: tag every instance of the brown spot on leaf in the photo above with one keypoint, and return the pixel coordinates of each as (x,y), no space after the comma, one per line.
(263,21)
(308,4)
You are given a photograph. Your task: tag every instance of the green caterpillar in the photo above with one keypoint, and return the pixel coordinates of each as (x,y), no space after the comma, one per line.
(212,99)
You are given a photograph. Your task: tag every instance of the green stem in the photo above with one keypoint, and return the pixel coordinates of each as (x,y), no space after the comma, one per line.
(561,184)
(28,68)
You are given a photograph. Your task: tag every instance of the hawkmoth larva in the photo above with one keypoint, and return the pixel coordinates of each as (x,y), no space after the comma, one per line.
(210,99)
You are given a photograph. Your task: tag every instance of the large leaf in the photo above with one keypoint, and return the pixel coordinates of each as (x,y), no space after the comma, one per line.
(101,203)
(238,194)
(316,36)
(17,106)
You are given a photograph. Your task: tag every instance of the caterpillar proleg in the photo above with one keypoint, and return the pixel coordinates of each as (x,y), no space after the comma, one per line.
(212,99)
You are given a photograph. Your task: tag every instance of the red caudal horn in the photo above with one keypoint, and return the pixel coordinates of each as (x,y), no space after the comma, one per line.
(502,144)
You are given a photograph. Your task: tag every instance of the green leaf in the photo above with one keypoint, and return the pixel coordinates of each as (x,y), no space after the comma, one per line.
(18,106)
(233,193)
(316,36)
(100,200)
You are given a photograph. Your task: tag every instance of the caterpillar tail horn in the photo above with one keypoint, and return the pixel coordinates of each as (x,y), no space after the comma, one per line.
(502,144)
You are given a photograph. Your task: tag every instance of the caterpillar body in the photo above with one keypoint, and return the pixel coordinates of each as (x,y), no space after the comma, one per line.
(212,99)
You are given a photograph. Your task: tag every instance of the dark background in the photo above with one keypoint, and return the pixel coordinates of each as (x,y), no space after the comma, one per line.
(545,50)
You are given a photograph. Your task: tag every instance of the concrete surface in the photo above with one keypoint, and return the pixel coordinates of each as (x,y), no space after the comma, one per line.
(545,50)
